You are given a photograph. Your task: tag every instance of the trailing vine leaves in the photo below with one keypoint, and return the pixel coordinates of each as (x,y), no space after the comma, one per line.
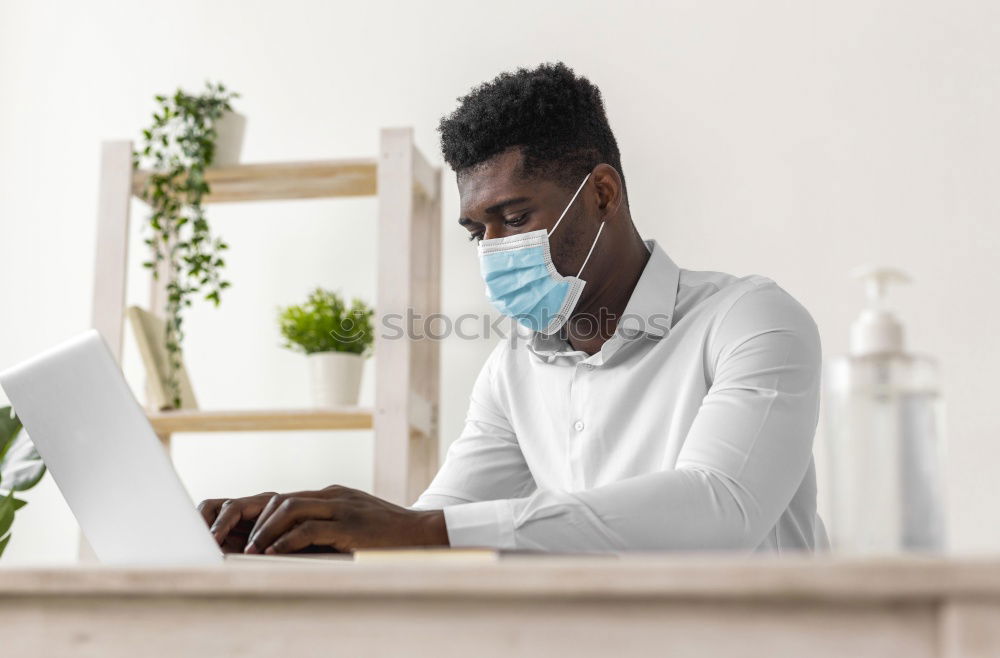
(177,149)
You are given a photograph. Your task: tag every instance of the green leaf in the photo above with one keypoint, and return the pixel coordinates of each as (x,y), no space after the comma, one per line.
(9,423)
(6,513)
(3,543)
(21,467)
(10,426)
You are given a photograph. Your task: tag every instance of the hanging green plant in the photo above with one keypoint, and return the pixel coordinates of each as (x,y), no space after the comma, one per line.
(177,149)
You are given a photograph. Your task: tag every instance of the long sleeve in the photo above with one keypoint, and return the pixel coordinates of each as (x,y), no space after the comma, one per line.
(744,456)
(485,461)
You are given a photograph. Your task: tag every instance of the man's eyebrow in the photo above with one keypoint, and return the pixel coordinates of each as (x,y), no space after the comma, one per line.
(495,208)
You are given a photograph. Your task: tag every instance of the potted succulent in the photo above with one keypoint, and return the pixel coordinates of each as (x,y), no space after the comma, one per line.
(336,339)
(20,469)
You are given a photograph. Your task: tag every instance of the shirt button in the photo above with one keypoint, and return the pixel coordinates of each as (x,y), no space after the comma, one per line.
(578,426)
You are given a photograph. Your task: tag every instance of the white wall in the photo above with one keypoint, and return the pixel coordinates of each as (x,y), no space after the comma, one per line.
(791,139)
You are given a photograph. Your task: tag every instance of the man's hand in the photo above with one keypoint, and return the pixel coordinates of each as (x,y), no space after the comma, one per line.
(230,520)
(335,518)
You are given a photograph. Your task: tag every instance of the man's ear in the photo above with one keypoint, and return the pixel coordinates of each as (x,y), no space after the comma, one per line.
(608,184)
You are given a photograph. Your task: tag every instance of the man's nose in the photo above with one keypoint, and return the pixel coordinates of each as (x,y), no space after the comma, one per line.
(491,232)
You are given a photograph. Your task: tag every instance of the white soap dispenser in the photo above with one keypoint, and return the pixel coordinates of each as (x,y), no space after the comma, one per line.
(884,436)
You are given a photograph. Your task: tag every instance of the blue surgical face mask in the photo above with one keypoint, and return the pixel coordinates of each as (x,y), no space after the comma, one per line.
(522,281)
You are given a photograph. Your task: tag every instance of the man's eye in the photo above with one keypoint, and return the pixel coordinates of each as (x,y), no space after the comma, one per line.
(517,221)
(476,237)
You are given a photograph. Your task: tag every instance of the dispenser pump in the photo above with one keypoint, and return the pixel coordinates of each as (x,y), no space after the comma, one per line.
(877,331)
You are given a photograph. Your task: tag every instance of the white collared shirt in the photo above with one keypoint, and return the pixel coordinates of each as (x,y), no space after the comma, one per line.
(691,429)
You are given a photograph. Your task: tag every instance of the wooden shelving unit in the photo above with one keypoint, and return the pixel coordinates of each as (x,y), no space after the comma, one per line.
(409,277)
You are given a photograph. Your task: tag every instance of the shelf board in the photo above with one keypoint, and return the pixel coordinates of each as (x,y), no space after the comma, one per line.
(284,180)
(197,420)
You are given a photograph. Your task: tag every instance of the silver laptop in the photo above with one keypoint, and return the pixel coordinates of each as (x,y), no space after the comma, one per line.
(107,461)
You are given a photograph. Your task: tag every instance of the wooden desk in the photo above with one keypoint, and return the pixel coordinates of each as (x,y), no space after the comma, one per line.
(682,606)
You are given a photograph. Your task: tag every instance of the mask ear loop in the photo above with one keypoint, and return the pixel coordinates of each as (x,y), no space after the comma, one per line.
(568,205)
(593,244)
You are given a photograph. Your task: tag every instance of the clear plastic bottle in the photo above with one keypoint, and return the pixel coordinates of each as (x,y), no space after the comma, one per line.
(884,437)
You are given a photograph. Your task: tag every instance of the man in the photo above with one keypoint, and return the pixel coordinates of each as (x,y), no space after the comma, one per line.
(644,407)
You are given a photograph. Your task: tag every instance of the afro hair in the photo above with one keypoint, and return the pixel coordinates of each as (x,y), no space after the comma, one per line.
(556,117)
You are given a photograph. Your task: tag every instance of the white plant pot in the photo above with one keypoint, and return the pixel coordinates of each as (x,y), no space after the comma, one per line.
(336,378)
(230,128)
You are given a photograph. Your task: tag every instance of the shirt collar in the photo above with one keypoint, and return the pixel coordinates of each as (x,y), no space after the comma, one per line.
(650,308)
